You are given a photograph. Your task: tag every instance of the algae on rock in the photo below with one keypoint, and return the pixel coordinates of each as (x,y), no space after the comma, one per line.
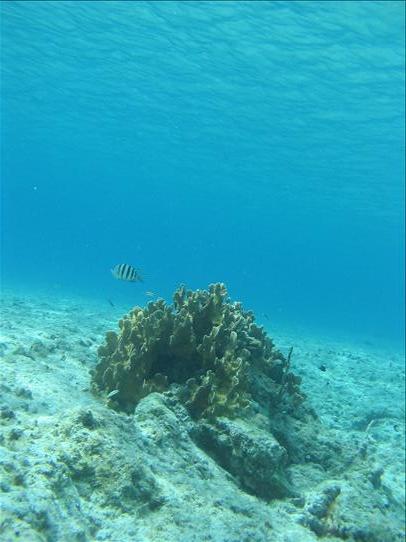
(210,347)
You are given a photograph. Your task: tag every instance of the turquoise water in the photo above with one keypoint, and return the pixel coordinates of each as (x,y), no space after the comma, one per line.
(256,143)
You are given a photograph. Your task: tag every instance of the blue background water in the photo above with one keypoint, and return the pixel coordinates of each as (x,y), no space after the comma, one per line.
(260,144)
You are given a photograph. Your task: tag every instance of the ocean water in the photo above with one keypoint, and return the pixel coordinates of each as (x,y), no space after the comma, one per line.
(256,143)
(259,144)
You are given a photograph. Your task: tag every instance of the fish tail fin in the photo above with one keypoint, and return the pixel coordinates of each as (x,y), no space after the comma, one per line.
(140,275)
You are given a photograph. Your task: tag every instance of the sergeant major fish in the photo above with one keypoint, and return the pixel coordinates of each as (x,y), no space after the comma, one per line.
(124,271)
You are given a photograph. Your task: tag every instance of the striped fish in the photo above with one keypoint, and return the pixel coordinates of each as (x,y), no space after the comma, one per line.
(124,271)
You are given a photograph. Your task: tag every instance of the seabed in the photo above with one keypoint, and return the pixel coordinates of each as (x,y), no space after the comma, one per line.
(73,469)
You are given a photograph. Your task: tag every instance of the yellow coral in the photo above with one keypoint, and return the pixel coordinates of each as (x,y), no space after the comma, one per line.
(209,346)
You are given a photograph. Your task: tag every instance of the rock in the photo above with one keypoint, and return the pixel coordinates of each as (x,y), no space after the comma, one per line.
(26,393)
(15,433)
(6,412)
(39,349)
(253,456)
(86,418)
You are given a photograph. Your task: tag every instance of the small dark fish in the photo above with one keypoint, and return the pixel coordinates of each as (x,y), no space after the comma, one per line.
(124,271)
(266,316)
(111,303)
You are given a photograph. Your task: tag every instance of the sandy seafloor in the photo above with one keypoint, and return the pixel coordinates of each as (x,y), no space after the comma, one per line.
(71,469)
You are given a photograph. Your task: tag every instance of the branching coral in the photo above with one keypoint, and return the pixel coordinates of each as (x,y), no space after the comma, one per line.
(206,344)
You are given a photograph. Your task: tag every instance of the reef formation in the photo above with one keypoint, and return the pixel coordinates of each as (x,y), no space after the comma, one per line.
(204,347)
(211,363)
